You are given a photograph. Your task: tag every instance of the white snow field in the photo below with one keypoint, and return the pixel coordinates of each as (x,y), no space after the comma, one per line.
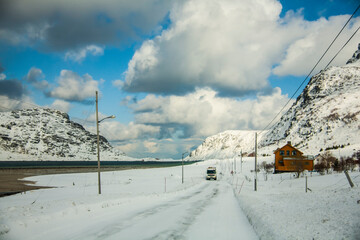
(154,204)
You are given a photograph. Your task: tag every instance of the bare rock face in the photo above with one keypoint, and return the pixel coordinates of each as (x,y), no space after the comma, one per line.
(355,57)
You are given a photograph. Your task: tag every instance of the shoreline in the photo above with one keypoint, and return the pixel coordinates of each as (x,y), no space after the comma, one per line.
(12,179)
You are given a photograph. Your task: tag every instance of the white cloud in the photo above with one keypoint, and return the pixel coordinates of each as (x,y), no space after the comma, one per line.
(2,76)
(217,44)
(36,77)
(203,113)
(231,47)
(118,84)
(73,87)
(61,105)
(151,146)
(161,148)
(7,103)
(63,25)
(117,131)
(27,34)
(302,55)
(80,54)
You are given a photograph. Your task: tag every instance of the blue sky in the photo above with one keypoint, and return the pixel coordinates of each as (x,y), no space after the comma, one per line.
(173,72)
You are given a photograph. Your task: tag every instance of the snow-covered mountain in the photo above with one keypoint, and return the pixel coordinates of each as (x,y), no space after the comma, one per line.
(227,145)
(47,134)
(326,115)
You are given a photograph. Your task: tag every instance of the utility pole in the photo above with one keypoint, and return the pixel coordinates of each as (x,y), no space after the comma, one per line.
(235,164)
(182,172)
(98,138)
(241,160)
(255,182)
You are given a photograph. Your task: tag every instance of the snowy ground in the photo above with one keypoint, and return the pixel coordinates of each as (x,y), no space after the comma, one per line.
(154,204)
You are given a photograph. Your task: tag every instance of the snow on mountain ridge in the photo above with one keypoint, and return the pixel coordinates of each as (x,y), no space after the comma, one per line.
(226,145)
(47,134)
(355,57)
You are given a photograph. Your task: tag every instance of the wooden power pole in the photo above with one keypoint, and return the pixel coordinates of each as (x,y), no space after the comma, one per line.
(255,180)
(98,139)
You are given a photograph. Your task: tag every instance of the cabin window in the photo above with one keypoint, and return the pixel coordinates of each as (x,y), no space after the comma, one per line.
(293,153)
(282,153)
(287,153)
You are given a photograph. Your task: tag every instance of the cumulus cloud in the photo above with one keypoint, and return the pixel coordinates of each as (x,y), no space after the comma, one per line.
(118,83)
(13,94)
(204,113)
(12,88)
(167,125)
(61,105)
(187,120)
(63,25)
(80,54)
(116,131)
(161,148)
(217,44)
(7,103)
(73,87)
(302,54)
(36,77)
(229,46)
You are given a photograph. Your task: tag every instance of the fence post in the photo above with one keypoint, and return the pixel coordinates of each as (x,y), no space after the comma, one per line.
(348,178)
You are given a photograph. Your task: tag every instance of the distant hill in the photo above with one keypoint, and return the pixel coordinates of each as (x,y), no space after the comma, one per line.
(47,134)
(325,116)
(226,145)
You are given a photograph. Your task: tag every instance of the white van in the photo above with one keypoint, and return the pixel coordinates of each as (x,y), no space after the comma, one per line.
(211,173)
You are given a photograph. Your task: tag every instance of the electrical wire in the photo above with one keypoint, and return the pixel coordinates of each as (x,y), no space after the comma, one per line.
(343,47)
(302,83)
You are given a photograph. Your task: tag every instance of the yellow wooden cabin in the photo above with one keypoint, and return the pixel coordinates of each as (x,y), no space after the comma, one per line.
(290,159)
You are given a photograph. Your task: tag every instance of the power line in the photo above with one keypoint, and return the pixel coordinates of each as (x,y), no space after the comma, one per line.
(302,83)
(343,46)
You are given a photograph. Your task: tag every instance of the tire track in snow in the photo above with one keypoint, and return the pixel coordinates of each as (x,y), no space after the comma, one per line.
(188,220)
(219,216)
(190,204)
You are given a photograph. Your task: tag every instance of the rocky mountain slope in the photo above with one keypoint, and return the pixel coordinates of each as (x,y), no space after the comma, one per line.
(325,116)
(47,134)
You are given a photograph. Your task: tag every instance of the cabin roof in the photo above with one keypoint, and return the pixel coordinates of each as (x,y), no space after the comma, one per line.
(289,145)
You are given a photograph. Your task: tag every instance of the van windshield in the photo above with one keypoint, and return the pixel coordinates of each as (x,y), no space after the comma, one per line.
(211,171)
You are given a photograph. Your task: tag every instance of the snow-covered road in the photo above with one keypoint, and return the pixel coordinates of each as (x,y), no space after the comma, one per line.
(134,206)
(208,211)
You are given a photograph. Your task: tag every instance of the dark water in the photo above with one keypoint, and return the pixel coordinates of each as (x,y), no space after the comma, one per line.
(53,164)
